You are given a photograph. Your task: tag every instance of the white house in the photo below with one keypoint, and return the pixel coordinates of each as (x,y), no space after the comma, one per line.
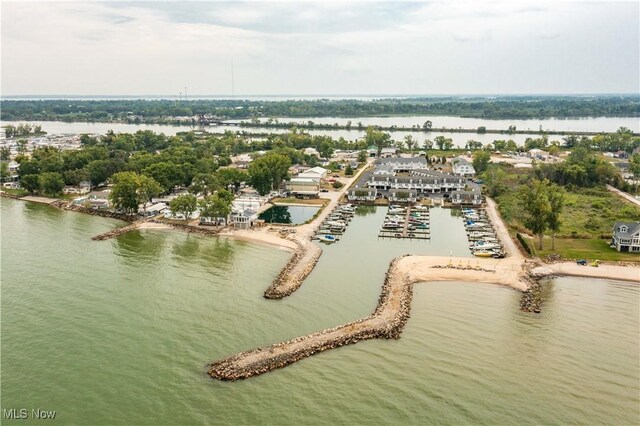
(462,167)
(626,236)
(314,173)
(14,166)
(466,197)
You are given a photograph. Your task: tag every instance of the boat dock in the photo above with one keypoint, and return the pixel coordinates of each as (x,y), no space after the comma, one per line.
(483,239)
(335,224)
(406,222)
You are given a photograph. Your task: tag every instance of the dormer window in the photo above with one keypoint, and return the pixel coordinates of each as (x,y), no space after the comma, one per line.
(623,228)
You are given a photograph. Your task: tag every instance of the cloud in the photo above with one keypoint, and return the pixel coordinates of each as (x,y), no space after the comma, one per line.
(319,47)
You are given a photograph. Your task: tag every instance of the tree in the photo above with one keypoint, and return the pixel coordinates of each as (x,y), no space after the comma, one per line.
(9,131)
(427,144)
(124,194)
(410,142)
(440,142)
(535,203)
(216,205)
(30,183)
(634,165)
(267,172)
(377,138)
(166,174)
(481,130)
(554,150)
(337,184)
(184,204)
(555,195)
(348,171)
(495,180)
(51,183)
(4,170)
(481,161)
(204,183)
(233,177)
(448,144)
(99,171)
(5,153)
(147,189)
(22,146)
(427,125)
(362,156)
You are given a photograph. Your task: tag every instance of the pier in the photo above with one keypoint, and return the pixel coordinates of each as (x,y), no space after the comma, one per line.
(415,225)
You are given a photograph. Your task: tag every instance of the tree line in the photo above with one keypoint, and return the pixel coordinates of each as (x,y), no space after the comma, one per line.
(165,110)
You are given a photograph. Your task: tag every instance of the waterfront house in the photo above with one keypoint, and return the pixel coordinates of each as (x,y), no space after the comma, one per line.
(421,181)
(626,237)
(403,195)
(362,194)
(83,188)
(461,167)
(466,198)
(14,166)
(152,209)
(304,186)
(243,219)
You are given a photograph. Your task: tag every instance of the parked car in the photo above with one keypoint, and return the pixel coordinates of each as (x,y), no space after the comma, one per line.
(336,176)
(324,190)
(582,262)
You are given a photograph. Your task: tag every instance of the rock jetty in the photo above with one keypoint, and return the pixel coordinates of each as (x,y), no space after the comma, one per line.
(115,232)
(292,276)
(386,322)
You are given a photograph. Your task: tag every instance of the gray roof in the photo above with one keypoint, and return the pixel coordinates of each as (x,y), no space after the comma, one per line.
(632,228)
(411,160)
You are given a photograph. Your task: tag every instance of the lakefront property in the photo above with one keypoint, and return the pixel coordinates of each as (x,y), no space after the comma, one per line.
(312,213)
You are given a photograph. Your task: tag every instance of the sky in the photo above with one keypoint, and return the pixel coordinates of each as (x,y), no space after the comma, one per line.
(319,48)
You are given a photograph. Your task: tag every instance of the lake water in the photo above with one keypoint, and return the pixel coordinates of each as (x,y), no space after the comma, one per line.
(120,332)
(608,124)
(290,215)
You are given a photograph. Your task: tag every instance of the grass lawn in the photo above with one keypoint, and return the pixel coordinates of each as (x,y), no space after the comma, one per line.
(588,213)
(292,200)
(589,249)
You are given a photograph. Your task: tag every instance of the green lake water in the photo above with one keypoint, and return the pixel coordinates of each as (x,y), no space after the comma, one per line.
(120,332)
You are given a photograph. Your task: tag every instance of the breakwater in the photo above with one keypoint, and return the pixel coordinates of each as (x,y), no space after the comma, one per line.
(202,230)
(386,322)
(292,276)
(115,232)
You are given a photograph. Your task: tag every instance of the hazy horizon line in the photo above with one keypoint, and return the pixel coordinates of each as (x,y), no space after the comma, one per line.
(311,95)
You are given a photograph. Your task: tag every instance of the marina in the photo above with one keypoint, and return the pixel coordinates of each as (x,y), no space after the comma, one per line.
(483,239)
(335,224)
(411,222)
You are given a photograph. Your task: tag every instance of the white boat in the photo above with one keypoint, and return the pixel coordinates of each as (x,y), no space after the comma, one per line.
(327,238)
(390,224)
(396,211)
(480,245)
(421,208)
